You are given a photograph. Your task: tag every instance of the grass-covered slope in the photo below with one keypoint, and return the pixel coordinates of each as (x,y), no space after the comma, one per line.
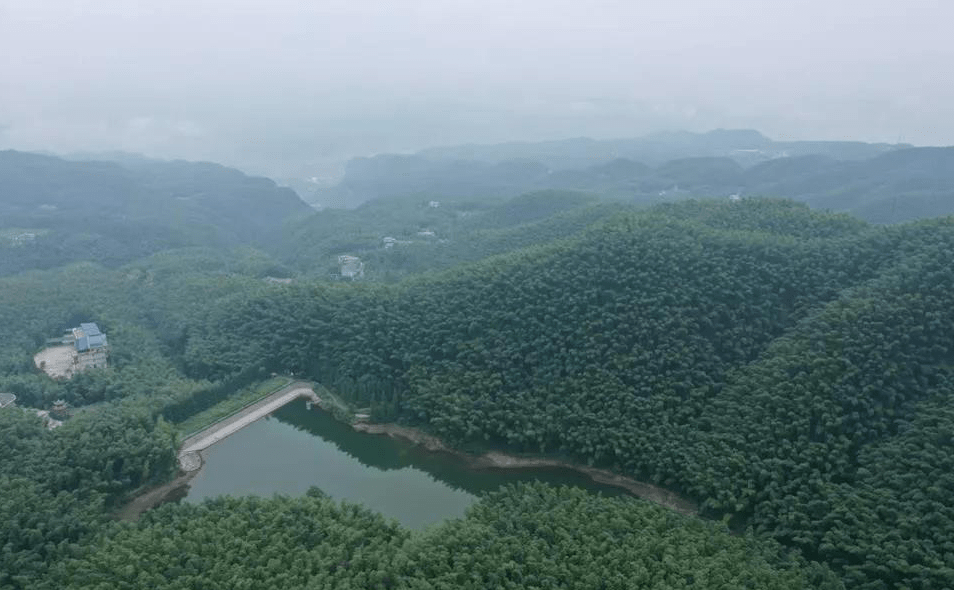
(770,361)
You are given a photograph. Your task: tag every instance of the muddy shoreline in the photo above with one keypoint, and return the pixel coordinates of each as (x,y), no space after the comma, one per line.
(498,460)
(154,496)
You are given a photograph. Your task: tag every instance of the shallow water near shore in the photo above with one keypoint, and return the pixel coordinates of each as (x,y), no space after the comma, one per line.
(297,448)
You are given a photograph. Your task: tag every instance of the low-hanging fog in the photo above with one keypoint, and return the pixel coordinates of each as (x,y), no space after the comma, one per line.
(293,87)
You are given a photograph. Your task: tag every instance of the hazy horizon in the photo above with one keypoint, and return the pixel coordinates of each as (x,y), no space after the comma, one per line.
(296,86)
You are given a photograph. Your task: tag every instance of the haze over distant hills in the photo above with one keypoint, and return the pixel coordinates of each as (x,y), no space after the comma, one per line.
(882,183)
(115,211)
(788,370)
(623,248)
(744,145)
(118,211)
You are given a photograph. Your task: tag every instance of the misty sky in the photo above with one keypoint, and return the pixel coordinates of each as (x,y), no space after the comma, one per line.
(286,86)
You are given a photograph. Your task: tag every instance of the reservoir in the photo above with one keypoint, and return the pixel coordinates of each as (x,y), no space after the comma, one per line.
(296,448)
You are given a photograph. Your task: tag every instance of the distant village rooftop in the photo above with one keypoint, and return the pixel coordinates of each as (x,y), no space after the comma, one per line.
(7,399)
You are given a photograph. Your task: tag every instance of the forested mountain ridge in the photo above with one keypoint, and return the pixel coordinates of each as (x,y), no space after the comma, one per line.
(400,237)
(766,359)
(58,488)
(788,369)
(56,211)
(610,251)
(745,145)
(882,184)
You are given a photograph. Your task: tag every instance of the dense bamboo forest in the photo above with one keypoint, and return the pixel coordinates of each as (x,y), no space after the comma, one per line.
(788,369)
(767,360)
(519,537)
(437,295)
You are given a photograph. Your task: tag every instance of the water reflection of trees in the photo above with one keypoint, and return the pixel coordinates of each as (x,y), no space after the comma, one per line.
(386,453)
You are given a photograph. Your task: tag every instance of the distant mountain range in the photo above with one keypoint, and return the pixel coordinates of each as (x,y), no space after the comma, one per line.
(879,182)
(744,145)
(53,211)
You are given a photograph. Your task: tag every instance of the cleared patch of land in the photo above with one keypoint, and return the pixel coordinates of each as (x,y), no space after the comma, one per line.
(154,496)
(55,361)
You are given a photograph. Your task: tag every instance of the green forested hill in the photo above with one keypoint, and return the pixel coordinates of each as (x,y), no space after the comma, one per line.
(58,488)
(55,211)
(768,360)
(745,145)
(434,235)
(878,183)
(788,369)
(55,486)
(520,537)
(144,307)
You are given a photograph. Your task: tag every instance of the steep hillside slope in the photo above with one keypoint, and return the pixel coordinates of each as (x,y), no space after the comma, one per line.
(400,237)
(878,184)
(55,211)
(770,361)
(525,537)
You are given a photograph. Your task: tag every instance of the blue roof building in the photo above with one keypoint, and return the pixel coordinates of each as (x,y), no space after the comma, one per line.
(88,337)
(90,329)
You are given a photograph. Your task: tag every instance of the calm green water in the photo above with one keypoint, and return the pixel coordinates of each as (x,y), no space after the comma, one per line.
(297,448)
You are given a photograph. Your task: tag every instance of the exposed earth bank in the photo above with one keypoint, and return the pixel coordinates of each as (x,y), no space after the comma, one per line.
(154,496)
(490,460)
(498,460)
